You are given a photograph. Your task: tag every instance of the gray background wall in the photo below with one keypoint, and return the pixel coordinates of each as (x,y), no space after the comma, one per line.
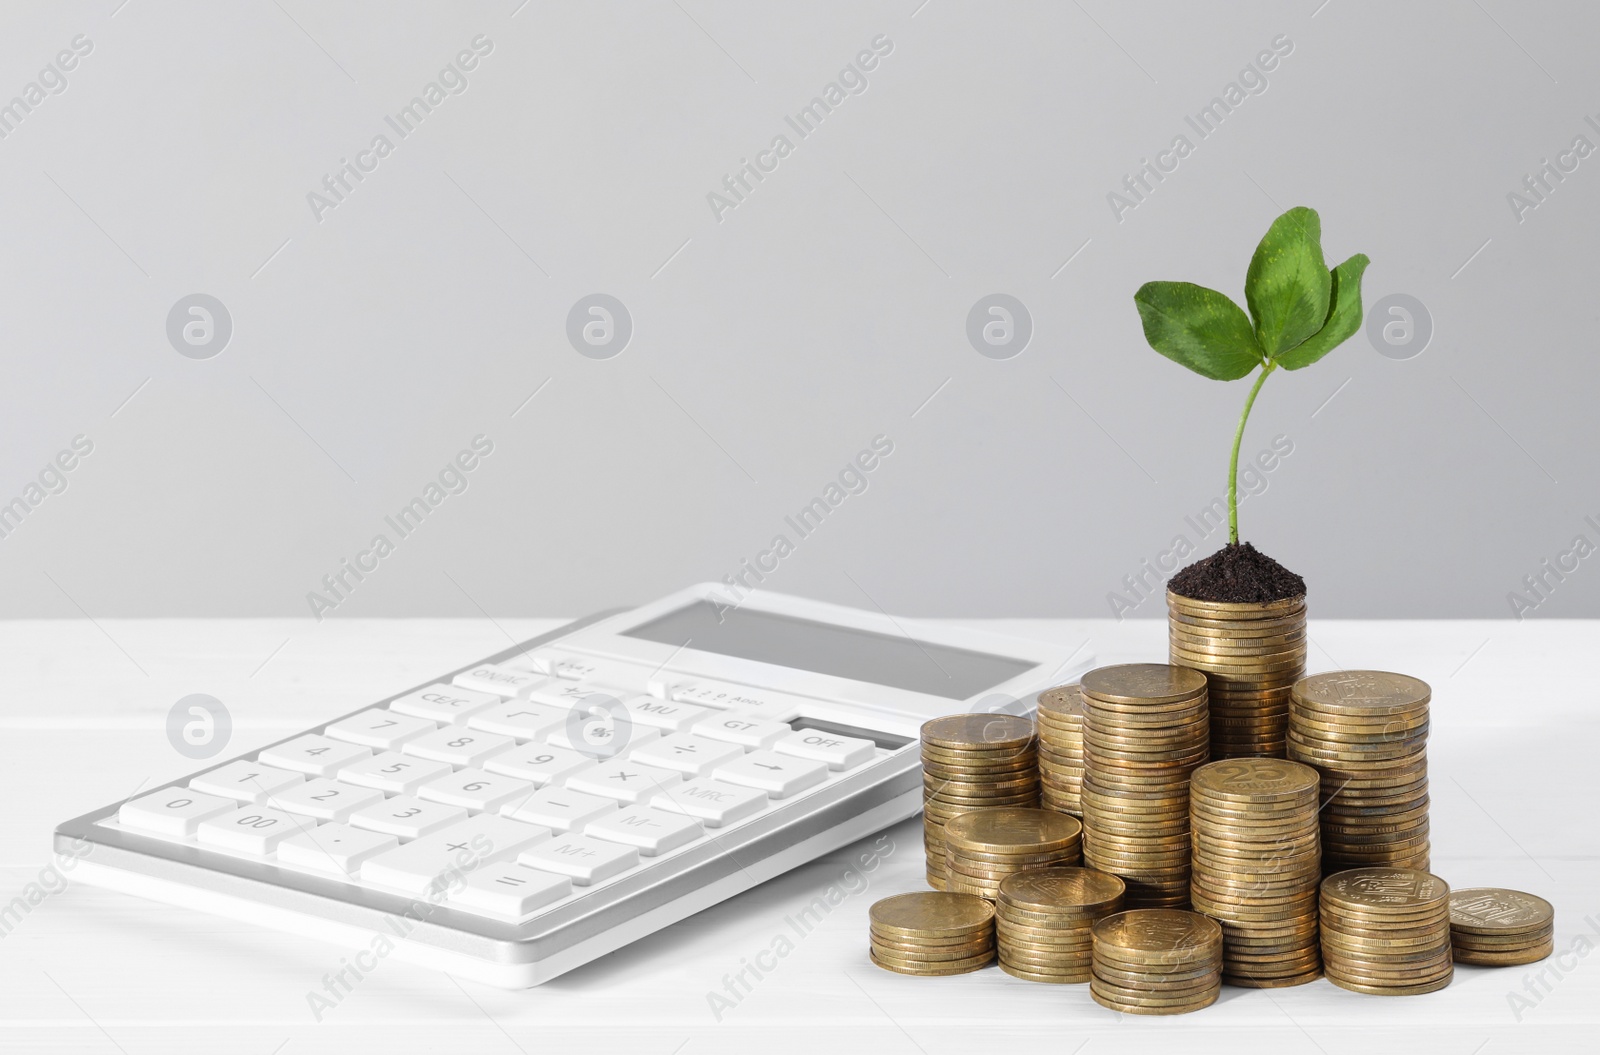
(772,343)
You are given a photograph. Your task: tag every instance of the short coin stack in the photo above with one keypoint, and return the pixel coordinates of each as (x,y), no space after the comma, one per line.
(1386,931)
(1491,927)
(1061,716)
(1366,732)
(983,847)
(1146,732)
(932,933)
(1257,867)
(1252,654)
(1044,918)
(1156,962)
(973,761)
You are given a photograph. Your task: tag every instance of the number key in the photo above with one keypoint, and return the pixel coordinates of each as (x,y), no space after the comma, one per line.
(381,728)
(459,747)
(245,781)
(407,817)
(317,755)
(173,811)
(393,772)
(324,799)
(253,829)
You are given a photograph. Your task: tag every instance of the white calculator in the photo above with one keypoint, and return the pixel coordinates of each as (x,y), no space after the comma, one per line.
(531,812)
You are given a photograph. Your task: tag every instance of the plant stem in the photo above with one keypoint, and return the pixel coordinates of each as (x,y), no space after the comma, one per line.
(1233,464)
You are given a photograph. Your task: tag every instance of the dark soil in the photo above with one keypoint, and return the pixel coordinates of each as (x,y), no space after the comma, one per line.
(1237,573)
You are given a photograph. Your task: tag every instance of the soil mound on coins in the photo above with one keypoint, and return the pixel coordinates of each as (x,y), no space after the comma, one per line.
(1237,573)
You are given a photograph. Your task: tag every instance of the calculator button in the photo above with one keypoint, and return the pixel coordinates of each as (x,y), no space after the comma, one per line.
(747,729)
(475,789)
(840,752)
(561,665)
(336,848)
(245,781)
(500,680)
(559,809)
(519,718)
(381,728)
(407,817)
(601,729)
(442,703)
(540,763)
(173,811)
(686,753)
(317,755)
(560,694)
(778,775)
(663,714)
(419,865)
(623,780)
(584,859)
(711,801)
(652,831)
(393,772)
(253,829)
(511,889)
(459,747)
(773,706)
(324,799)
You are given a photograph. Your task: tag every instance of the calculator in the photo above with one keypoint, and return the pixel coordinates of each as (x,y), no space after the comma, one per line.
(514,819)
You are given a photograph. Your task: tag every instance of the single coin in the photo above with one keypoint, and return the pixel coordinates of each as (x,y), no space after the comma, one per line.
(1148,683)
(1068,888)
(1496,910)
(930,915)
(990,731)
(956,967)
(1158,935)
(1515,958)
(1063,700)
(1013,829)
(1363,691)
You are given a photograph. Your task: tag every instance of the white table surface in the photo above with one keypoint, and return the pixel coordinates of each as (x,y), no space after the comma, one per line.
(1514,768)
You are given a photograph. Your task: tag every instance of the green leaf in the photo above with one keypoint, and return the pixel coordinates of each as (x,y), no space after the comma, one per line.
(1344,317)
(1288,283)
(1199,328)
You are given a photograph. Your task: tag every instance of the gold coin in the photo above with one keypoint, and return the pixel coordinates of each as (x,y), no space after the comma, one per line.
(900,952)
(1046,890)
(1157,935)
(1141,683)
(1495,910)
(1065,977)
(922,915)
(1063,700)
(986,731)
(1363,692)
(1013,829)
(1256,780)
(957,967)
(1514,958)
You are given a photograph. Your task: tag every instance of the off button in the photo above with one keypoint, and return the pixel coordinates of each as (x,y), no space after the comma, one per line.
(840,752)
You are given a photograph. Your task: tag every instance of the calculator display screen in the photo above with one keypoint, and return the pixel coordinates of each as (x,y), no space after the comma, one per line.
(860,655)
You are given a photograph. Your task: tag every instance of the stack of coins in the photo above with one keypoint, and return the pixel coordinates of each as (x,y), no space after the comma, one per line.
(1257,867)
(1061,715)
(1366,732)
(1146,732)
(1156,962)
(973,761)
(1490,927)
(1043,919)
(1386,931)
(932,933)
(1251,654)
(983,847)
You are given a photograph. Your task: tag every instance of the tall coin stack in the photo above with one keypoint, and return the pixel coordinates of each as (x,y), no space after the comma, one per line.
(1366,732)
(932,933)
(1492,927)
(1257,867)
(1043,921)
(1251,654)
(1386,931)
(1061,716)
(1146,732)
(1156,962)
(973,761)
(983,847)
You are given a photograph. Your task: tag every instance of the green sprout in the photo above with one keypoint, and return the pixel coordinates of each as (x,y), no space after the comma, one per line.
(1301,312)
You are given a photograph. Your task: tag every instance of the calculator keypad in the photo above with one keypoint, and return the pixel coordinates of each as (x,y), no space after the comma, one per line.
(525,782)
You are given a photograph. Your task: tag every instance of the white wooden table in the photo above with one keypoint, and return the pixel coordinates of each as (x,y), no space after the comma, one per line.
(1516,723)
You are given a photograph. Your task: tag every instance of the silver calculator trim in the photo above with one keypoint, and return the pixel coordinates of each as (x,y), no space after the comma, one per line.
(877,784)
